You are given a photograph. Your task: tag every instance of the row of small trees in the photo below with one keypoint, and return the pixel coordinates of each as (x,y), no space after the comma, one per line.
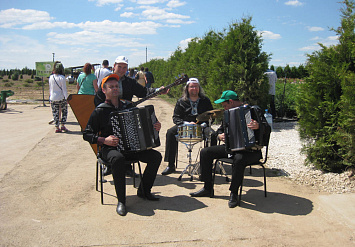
(233,59)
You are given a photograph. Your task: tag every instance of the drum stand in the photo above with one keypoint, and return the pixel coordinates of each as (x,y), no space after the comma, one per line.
(192,168)
(209,139)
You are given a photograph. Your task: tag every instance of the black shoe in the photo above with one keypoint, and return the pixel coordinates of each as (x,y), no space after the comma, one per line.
(168,170)
(130,173)
(149,196)
(203,193)
(233,200)
(121,209)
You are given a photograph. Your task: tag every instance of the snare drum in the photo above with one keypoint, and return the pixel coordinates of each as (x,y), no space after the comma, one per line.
(190,133)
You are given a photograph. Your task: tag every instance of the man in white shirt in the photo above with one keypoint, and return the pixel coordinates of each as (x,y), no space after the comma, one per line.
(101,73)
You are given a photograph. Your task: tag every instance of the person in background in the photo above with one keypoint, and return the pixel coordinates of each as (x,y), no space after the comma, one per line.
(99,131)
(272,76)
(87,82)
(101,73)
(132,73)
(149,78)
(141,78)
(58,97)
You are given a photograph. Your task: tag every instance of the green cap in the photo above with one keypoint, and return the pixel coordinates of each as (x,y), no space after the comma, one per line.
(227,95)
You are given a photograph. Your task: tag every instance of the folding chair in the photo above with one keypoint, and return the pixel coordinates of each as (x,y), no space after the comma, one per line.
(101,164)
(230,161)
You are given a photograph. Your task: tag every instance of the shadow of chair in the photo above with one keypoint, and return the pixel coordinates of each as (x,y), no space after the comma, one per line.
(102,165)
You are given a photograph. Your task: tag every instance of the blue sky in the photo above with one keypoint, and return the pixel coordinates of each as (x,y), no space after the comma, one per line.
(80,31)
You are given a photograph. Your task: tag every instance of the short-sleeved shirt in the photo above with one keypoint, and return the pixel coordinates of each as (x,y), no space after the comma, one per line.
(86,84)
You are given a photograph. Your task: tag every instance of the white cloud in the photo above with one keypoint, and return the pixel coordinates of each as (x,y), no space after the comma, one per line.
(178,21)
(19,51)
(269,35)
(136,28)
(49,25)
(155,13)
(127,14)
(315,29)
(175,4)
(294,3)
(106,2)
(87,38)
(310,48)
(184,43)
(149,2)
(329,41)
(12,17)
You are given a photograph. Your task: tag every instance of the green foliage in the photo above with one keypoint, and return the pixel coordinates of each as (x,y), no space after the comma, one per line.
(9,84)
(232,59)
(39,83)
(29,81)
(15,76)
(286,96)
(325,106)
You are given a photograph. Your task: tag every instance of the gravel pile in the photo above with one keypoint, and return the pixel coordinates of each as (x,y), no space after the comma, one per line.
(286,159)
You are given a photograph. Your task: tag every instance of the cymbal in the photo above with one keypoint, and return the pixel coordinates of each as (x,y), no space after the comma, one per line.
(210,114)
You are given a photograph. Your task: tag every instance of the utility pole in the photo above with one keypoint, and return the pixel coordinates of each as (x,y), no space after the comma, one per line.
(53,56)
(146,54)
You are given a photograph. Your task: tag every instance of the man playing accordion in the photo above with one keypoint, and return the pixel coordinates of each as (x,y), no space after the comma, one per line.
(241,159)
(99,131)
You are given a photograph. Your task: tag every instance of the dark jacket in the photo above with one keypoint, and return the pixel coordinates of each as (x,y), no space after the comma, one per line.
(182,111)
(99,125)
(130,87)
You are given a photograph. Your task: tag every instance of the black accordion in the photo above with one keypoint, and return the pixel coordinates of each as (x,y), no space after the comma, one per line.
(135,129)
(237,135)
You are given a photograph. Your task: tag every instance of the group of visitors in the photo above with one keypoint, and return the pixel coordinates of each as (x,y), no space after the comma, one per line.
(88,82)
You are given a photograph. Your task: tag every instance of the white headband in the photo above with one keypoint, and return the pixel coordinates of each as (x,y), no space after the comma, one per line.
(192,80)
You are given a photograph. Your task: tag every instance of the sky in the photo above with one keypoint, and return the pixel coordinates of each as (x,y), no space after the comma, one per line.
(79,31)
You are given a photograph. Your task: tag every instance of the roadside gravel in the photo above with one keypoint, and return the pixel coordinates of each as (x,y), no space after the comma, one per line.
(286,159)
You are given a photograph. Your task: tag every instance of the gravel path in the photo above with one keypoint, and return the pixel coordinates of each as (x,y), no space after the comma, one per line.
(285,157)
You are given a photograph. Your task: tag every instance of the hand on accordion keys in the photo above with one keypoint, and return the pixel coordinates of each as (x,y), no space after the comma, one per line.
(157,126)
(111,141)
(254,125)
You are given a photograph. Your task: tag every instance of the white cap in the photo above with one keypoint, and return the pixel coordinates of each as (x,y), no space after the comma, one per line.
(121,59)
(192,80)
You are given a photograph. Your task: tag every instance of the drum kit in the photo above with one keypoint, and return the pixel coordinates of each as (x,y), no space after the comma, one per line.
(191,134)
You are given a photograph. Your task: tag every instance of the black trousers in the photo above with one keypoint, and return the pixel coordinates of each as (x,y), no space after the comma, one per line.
(118,162)
(241,159)
(171,143)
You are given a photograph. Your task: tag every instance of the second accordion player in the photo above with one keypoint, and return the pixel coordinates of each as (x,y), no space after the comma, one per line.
(237,134)
(135,129)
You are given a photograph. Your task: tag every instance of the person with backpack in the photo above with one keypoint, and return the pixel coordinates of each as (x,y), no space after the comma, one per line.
(229,100)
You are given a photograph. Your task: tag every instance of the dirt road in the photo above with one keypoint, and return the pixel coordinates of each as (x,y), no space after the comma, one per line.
(48,198)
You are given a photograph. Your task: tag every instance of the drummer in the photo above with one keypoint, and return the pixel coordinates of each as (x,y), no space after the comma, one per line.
(192,103)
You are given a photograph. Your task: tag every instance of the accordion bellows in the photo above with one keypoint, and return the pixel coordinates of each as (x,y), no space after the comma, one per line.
(135,129)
